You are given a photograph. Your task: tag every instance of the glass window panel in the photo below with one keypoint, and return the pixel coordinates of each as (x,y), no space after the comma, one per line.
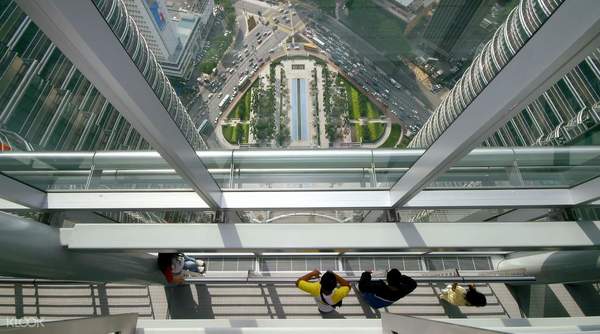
(268,264)
(245,264)
(230,264)
(328,263)
(412,264)
(435,263)
(398,263)
(307,75)
(284,264)
(351,264)
(313,262)
(482,263)
(45,103)
(451,263)
(552,143)
(466,263)
(299,264)
(381,263)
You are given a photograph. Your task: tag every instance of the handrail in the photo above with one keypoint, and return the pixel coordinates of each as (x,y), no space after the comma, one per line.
(446,276)
(251,277)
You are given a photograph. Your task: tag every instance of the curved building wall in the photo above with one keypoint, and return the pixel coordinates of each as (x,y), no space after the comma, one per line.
(45,102)
(520,25)
(566,112)
(123,26)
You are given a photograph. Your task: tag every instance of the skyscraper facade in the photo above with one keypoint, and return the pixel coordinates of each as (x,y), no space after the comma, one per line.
(152,20)
(566,113)
(125,29)
(453,24)
(520,25)
(45,102)
(175,37)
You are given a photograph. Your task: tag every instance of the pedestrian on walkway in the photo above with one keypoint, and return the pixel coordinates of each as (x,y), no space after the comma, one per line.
(173,266)
(459,296)
(326,291)
(380,293)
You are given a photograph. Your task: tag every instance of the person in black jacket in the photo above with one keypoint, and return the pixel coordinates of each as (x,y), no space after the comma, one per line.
(378,294)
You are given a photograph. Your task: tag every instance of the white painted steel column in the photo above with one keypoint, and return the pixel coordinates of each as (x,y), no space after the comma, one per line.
(488,236)
(569,35)
(81,33)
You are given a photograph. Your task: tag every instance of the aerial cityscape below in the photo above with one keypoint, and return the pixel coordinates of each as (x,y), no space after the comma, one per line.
(300,74)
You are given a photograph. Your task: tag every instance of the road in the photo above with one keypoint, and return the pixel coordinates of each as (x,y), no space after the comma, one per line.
(245,65)
(368,67)
(356,57)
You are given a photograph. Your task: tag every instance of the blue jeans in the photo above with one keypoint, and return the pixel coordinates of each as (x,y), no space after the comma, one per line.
(189,263)
(374,301)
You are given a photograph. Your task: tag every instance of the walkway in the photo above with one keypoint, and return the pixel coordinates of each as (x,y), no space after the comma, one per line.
(280,301)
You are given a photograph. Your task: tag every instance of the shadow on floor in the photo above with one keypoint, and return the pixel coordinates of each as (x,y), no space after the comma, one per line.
(587,297)
(537,301)
(332,315)
(182,305)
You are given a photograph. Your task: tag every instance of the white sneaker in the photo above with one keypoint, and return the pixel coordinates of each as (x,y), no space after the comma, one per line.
(201,266)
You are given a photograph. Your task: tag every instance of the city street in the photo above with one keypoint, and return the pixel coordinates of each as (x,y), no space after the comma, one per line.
(240,62)
(366,66)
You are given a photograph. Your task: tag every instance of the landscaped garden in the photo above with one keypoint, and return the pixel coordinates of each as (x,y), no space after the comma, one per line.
(242,110)
(392,140)
(360,107)
(251,23)
(236,134)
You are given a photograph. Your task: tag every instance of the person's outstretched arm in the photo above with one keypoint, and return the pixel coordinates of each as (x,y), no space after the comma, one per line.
(341,281)
(408,284)
(364,285)
(315,273)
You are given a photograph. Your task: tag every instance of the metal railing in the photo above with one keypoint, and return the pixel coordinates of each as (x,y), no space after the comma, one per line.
(540,167)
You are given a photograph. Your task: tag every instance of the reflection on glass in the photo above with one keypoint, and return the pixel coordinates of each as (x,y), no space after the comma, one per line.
(522,22)
(522,168)
(125,29)
(543,167)
(311,73)
(566,114)
(449,215)
(45,102)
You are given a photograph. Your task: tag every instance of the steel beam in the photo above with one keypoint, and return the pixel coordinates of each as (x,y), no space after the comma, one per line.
(569,35)
(586,192)
(306,237)
(490,198)
(17,195)
(355,279)
(254,200)
(81,33)
(378,200)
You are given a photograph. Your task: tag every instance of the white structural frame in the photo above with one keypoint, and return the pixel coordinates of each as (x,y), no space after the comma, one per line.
(574,28)
(78,29)
(352,237)
(81,33)
(257,200)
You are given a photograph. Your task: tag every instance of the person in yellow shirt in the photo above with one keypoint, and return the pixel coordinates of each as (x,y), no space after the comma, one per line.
(459,296)
(326,291)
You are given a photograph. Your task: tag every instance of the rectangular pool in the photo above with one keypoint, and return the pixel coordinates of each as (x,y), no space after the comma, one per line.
(299,101)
